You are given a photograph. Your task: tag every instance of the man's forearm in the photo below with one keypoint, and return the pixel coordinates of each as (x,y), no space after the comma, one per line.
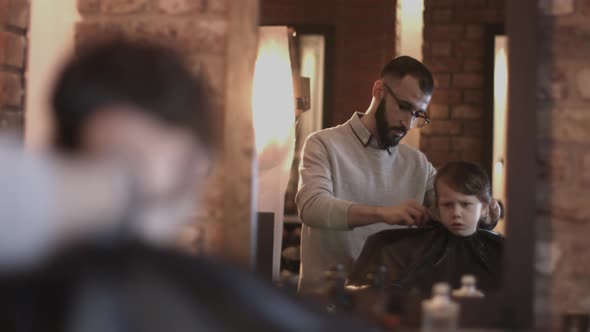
(361,215)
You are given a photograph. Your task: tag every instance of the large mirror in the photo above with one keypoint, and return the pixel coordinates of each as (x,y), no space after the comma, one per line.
(469,53)
(482,55)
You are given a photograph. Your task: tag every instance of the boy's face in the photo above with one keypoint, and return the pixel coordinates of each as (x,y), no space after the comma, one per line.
(459,213)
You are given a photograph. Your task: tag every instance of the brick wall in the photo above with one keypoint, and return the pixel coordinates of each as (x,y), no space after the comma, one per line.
(198,28)
(364,40)
(454,50)
(14,22)
(208,33)
(563,150)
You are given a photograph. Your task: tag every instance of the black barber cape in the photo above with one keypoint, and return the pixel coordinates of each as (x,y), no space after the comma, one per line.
(416,258)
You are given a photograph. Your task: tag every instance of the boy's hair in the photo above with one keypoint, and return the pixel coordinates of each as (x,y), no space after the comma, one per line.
(150,77)
(404,65)
(466,178)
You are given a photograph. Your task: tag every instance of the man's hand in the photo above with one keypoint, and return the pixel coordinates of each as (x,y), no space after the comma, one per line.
(409,213)
(495,210)
(493,216)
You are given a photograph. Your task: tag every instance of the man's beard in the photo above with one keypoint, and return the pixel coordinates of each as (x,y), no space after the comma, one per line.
(385,132)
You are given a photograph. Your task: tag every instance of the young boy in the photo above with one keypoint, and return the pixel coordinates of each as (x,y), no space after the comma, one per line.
(457,242)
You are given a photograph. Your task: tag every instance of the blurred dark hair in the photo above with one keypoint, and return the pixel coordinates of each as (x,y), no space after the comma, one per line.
(466,178)
(150,77)
(404,65)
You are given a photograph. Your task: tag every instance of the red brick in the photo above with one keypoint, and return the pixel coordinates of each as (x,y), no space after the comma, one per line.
(438,158)
(473,65)
(444,64)
(471,128)
(444,32)
(89,32)
(468,48)
(442,127)
(86,7)
(480,16)
(441,48)
(583,82)
(473,96)
(584,7)
(553,84)
(217,6)
(441,15)
(11,89)
(123,6)
(12,49)
(179,6)
(206,35)
(441,3)
(574,261)
(570,126)
(438,112)
(442,81)
(446,96)
(468,112)
(584,164)
(17,13)
(474,32)
(426,15)
(569,204)
(475,3)
(463,143)
(473,155)
(436,143)
(555,165)
(3,11)
(557,7)
(467,81)
(570,40)
(426,49)
(459,4)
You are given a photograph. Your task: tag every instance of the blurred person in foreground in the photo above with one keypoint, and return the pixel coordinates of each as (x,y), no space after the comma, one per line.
(136,107)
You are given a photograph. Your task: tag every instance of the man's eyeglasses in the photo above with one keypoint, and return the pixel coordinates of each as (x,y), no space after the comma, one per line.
(418,118)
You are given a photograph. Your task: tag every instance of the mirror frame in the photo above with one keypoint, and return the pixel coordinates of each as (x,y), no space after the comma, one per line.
(512,307)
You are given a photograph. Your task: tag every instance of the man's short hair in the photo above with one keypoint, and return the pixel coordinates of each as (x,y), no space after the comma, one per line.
(117,72)
(404,65)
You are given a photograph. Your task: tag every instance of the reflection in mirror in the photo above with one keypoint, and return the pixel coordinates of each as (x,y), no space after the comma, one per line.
(455,45)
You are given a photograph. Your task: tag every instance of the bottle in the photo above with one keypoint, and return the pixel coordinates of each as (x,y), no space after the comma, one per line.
(340,301)
(384,311)
(440,313)
(379,277)
(468,288)
(379,287)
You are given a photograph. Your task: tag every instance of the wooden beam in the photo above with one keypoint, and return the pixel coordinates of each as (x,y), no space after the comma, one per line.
(238,235)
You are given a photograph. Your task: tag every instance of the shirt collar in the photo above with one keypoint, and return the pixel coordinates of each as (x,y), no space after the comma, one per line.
(362,133)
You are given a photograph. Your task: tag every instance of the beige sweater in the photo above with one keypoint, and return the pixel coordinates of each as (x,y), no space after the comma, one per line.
(342,166)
